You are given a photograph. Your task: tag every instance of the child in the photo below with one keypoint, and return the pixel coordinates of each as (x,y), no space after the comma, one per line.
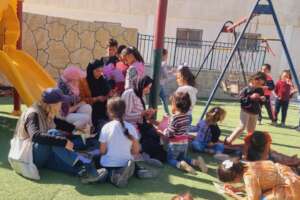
(136,69)
(250,97)
(178,138)
(121,65)
(207,140)
(268,88)
(186,82)
(118,144)
(110,70)
(284,90)
(163,78)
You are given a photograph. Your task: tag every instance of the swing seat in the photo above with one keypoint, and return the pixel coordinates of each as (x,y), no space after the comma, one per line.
(231,87)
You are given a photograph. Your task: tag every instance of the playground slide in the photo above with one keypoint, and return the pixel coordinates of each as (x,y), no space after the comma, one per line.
(25,74)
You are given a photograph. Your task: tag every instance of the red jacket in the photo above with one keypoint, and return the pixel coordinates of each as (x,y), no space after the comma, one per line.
(283,90)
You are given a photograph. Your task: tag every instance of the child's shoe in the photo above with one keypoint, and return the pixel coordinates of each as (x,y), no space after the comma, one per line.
(298,129)
(120,178)
(89,174)
(186,167)
(283,125)
(200,163)
(144,173)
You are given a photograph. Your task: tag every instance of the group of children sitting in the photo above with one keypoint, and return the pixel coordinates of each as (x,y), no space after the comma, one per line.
(118,142)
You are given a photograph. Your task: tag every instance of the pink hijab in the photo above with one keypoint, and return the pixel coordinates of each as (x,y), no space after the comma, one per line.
(72,74)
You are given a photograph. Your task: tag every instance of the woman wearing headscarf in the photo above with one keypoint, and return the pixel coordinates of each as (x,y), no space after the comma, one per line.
(77,111)
(137,114)
(52,152)
(95,90)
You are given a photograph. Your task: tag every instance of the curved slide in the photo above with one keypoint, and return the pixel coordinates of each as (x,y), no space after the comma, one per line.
(22,71)
(25,74)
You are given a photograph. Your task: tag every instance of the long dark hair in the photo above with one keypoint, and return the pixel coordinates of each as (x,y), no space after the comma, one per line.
(134,51)
(257,146)
(92,82)
(116,110)
(140,86)
(187,75)
(229,170)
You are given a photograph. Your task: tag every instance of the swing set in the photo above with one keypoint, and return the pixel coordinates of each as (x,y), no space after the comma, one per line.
(230,85)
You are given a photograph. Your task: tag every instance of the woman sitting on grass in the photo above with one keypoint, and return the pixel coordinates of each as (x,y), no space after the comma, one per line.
(77,111)
(137,114)
(118,144)
(48,151)
(262,179)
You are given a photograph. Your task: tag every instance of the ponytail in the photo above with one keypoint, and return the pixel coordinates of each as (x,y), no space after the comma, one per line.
(126,132)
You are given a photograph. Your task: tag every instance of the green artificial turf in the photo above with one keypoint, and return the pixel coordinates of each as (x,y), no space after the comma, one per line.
(54,185)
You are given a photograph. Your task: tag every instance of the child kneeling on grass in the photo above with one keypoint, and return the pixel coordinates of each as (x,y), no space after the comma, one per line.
(177,133)
(208,132)
(118,144)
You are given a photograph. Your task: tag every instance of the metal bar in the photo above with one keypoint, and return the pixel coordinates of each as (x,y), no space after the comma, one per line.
(213,45)
(289,59)
(263,10)
(161,16)
(228,61)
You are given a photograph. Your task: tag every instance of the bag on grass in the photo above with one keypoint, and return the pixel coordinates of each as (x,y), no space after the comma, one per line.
(21,159)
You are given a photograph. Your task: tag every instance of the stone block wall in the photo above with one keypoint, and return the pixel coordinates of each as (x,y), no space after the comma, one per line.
(58,42)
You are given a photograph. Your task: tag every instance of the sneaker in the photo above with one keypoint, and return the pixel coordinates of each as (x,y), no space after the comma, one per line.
(153,162)
(200,163)
(283,125)
(298,129)
(89,174)
(120,178)
(221,157)
(186,167)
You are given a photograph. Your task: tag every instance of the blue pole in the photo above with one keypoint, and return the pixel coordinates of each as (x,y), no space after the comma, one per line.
(228,61)
(285,48)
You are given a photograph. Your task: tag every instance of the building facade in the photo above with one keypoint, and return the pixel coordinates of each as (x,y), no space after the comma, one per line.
(191,19)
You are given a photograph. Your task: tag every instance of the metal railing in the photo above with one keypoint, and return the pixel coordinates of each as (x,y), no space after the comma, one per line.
(193,52)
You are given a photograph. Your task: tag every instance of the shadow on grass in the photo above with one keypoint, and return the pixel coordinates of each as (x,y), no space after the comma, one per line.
(162,184)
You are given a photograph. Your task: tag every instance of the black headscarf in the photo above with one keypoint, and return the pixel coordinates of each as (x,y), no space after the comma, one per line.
(95,85)
(140,86)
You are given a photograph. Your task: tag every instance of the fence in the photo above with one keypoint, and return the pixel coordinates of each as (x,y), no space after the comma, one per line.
(193,52)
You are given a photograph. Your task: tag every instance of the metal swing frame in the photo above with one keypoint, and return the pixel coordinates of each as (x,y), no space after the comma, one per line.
(258,9)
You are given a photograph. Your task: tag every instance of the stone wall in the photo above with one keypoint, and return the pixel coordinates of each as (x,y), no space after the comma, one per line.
(58,42)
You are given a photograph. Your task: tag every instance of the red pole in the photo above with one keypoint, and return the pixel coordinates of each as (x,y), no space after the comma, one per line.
(17,101)
(159,33)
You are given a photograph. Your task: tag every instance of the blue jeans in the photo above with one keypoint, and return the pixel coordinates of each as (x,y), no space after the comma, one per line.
(177,153)
(163,98)
(55,158)
(202,147)
(284,105)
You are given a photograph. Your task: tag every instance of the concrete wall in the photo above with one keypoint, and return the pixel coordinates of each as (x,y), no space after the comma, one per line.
(198,14)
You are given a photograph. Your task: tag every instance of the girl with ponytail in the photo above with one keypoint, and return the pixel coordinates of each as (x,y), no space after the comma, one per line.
(118,144)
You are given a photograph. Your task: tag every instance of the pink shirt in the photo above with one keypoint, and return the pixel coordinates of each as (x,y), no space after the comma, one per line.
(111,72)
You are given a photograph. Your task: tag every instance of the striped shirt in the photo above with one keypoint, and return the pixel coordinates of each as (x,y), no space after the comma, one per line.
(134,107)
(178,128)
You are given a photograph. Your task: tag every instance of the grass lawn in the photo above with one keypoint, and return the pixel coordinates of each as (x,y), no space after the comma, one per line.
(55,185)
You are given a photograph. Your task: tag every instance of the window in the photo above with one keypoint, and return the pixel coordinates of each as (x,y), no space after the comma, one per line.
(250,41)
(189,37)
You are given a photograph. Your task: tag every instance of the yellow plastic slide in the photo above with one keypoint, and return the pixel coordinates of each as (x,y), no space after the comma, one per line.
(23,72)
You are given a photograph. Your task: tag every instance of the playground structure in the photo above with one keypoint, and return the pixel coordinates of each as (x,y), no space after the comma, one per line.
(24,73)
(258,9)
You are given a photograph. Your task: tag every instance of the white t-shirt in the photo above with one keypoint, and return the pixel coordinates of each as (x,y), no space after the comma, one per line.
(118,145)
(191,91)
